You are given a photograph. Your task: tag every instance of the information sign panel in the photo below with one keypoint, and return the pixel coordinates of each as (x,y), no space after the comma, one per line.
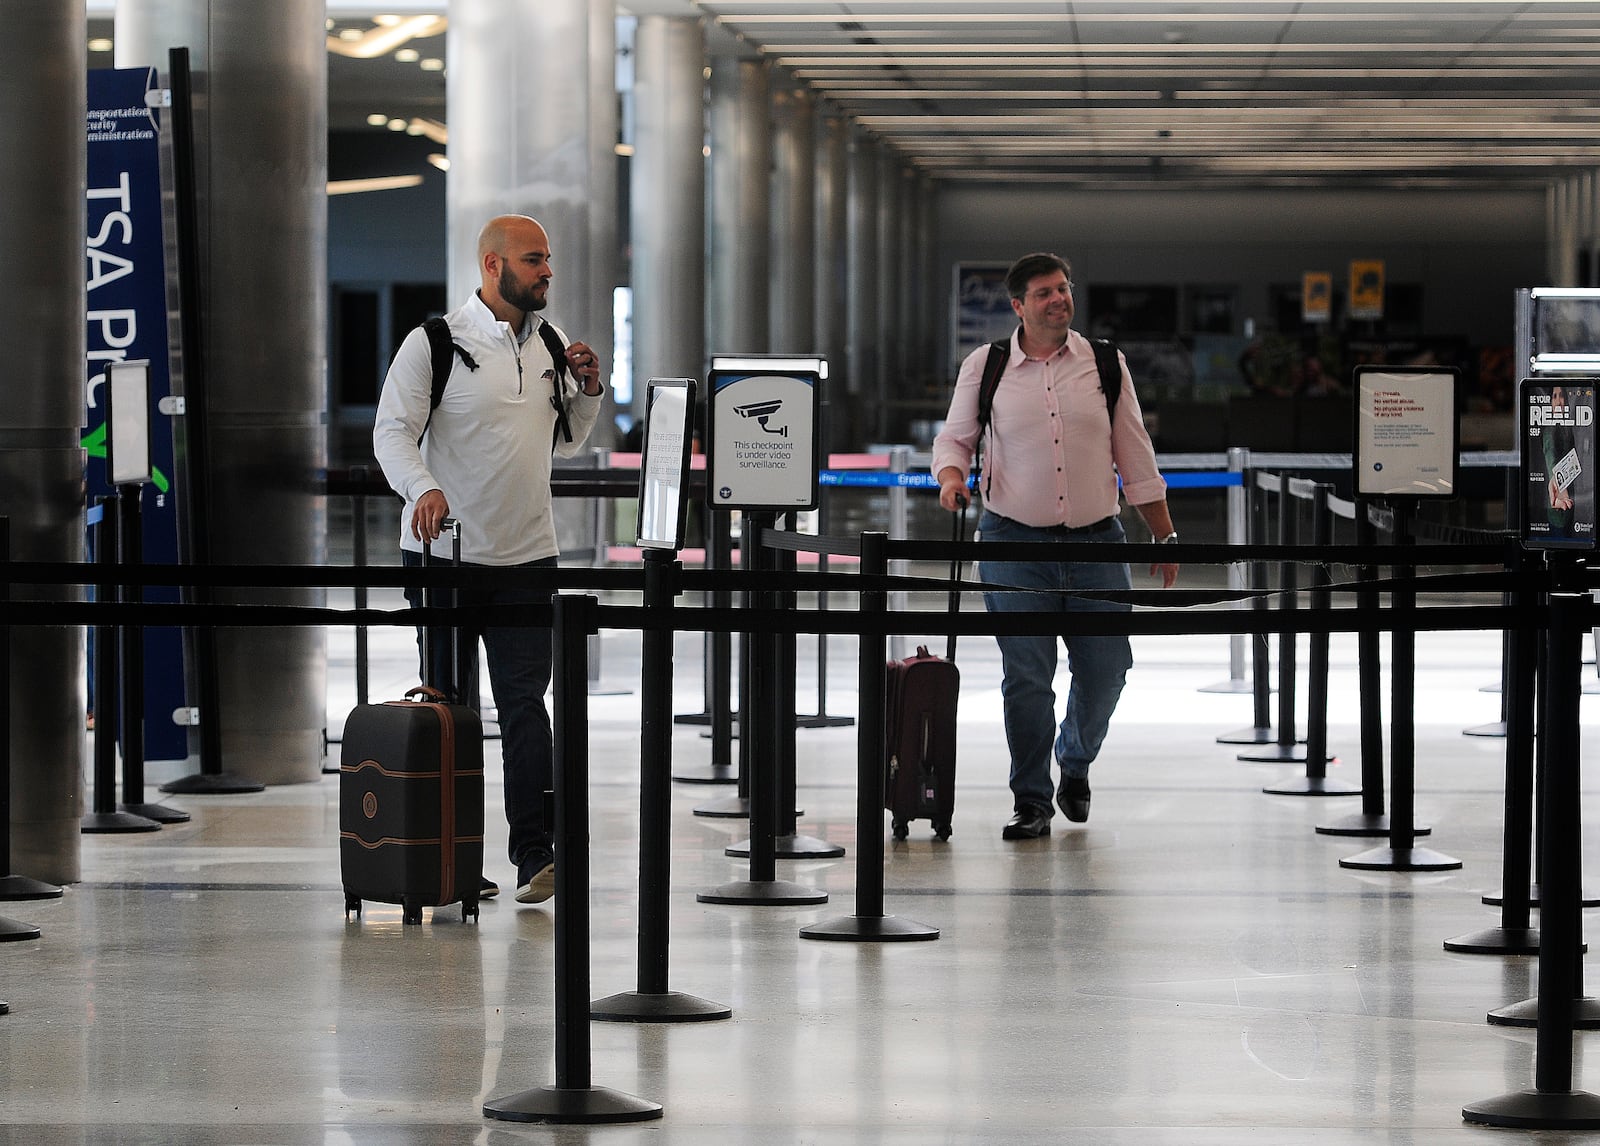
(1407,431)
(763,446)
(664,463)
(1558,477)
(128,422)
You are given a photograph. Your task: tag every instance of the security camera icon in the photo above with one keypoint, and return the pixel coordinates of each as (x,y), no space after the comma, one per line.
(761,412)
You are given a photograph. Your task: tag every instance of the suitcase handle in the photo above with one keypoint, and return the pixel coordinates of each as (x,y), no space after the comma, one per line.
(958,535)
(456,685)
(427,693)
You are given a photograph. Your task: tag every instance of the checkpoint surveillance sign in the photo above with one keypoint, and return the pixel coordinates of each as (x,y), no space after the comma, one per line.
(763,434)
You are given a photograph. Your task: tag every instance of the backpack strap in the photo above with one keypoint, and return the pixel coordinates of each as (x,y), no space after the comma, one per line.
(1105,361)
(558,356)
(443,350)
(993,367)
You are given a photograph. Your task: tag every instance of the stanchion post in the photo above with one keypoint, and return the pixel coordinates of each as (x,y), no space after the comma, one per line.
(1238,512)
(12,887)
(1260,732)
(653,1001)
(869,923)
(573,1098)
(1286,749)
(718,674)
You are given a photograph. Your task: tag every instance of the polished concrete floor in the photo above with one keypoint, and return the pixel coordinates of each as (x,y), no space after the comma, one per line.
(1192,966)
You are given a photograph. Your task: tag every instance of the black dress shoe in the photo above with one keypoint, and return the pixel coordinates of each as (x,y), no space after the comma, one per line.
(1073,797)
(1027,824)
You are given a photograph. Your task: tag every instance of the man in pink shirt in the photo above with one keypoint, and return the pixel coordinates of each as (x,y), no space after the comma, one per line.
(1054,453)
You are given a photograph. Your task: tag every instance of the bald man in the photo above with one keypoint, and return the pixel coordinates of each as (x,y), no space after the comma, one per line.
(483,456)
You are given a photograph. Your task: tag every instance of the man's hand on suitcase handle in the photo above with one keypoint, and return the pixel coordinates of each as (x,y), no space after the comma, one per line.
(428,519)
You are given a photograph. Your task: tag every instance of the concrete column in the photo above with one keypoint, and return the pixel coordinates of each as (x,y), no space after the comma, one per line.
(261,87)
(934,288)
(794,220)
(830,277)
(861,285)
(891,208)
(739,207)
(605,251)
(668,202)
(42,106)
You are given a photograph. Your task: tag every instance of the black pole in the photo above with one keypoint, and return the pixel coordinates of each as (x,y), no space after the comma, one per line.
(653,1001)
(1552,1103)
(130,542)
(719,686)
(1260,732)
(1286,750)
(1316,782)
(573,1098)
(12,887)
(869,923)
(1401,854)
(195,473)
(755,716)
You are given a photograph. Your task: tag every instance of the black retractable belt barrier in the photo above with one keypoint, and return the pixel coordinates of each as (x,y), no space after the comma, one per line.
(1552,1103)
(103,815)
(573,1098)
(130,641)
(720,690)
(766,794)
(1260,650)
(869,923)
(789,843)
(1285,750)
(12,887)
(1402,854)
(653,1002)
(1315,782)
(821,718)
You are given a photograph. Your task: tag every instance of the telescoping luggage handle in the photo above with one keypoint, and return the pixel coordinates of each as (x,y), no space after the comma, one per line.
(959,536)
(447,688)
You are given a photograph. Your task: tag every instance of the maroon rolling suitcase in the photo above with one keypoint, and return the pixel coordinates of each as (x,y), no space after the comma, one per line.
(411,803)
(920,695)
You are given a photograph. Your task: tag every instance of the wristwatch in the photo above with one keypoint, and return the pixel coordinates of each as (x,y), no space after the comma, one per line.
(1169,538)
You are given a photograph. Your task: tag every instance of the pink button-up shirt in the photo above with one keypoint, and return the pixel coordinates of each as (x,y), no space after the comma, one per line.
(1049,459)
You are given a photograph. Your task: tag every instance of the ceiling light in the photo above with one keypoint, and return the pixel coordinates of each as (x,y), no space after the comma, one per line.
(439,161)
(429,128)
(397,125)
(407,55)
(431,64)
(377,119)
(378,183)
(414,128)
(623,149)
(350,35)
(381,41)
(386,21)
(100,45)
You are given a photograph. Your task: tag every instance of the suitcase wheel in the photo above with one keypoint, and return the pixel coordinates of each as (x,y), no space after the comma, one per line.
(901,829)
(411,911)
(352,903)
(469,910)
(941,831)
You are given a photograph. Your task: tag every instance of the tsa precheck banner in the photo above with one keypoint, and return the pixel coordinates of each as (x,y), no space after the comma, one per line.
(763,431)
(1558,464)
(126,284)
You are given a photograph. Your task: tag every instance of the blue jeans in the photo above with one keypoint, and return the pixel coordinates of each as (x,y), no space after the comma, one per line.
(1098,665)
(519,672)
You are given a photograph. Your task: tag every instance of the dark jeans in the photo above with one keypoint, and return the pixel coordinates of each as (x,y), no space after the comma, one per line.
(519,673)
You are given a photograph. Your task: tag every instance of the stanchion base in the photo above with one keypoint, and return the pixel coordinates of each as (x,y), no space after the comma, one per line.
(212,784)
(1276,754)
(1496,941)
(731,808)
(762,893)
(719,774)
(1498,728)
(1228,686)
(666,1007)
(1498,898)
(1361,824)
(1585,1014)
(1249,736)
(1400,859)
(823,720)
(95,822)
(160,813)
(1538,1110)
(1313,786)
(16,887)
(790,847)
(586,1106)
(12,931)
(870,929)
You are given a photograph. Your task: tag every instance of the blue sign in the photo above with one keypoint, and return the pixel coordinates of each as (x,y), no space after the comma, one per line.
(126,281)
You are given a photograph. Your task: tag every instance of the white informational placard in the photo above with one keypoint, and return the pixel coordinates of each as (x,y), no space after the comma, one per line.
(1407,431)
(664,463)
(762,429)
(128,422)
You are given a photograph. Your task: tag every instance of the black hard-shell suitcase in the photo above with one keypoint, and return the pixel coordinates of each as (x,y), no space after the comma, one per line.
(920,695)
(411,802)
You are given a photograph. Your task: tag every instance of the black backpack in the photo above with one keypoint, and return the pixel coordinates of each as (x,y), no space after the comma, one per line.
(444,349)
(1105,361)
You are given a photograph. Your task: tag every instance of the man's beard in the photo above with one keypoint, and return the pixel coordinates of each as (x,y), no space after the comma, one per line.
(519,296)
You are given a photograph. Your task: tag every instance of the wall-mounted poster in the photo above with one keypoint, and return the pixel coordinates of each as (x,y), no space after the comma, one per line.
(1366,288)
(1558,475)
(1316,296)
(762,428)
(982,309)
(1407,431)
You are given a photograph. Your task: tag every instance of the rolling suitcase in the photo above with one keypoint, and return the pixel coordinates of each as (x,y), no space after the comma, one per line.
(920,695)
(411,801)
